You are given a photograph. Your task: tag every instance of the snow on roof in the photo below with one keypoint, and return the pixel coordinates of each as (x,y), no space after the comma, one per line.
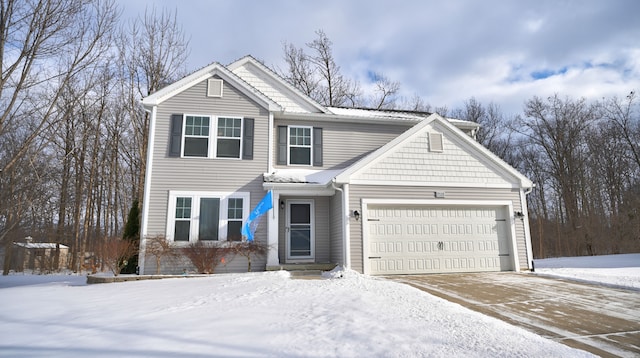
(309,176)
(411,116)
(40,245)
(380,114)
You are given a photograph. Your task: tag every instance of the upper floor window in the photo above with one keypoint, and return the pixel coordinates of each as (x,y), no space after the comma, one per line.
(191,136)
(299,145)
(229,138)
(196,136)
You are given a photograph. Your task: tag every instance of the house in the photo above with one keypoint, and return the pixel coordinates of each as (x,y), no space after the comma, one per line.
(380,192)
(38,256)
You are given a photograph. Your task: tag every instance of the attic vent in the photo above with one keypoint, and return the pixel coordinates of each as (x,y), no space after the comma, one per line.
(214,88)
(435,142)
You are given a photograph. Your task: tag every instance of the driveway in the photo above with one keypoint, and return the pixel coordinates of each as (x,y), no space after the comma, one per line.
(602,320)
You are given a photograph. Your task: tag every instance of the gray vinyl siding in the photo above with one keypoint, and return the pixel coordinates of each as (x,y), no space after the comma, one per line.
(358,192)
(206,174)
(345,143)
(335,229)
(322,229)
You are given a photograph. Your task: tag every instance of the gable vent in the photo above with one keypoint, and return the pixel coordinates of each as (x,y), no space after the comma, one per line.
(214,88)
(435,142)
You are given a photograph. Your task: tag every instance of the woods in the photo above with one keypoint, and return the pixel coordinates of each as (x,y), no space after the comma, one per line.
(72,130)
(73,134)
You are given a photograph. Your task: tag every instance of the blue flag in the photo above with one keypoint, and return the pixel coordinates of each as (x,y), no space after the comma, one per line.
(263,206)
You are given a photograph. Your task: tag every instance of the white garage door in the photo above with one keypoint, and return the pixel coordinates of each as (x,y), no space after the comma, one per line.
(427,239)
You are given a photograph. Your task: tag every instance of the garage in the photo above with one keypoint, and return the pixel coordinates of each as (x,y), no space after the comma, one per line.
(418,239)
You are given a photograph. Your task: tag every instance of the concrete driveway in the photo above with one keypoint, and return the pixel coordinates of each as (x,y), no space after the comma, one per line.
(602,320)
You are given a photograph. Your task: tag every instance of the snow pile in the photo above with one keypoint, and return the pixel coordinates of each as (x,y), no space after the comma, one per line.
(613,270)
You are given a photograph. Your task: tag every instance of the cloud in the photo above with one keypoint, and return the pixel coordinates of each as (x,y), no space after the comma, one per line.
(445,51)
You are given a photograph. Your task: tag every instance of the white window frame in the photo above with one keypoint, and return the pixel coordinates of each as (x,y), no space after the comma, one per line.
(212,139)
(195,212)
(185,135)
(289,145)
(216,137)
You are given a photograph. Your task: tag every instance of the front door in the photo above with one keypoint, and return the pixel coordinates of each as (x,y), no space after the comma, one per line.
(300,237)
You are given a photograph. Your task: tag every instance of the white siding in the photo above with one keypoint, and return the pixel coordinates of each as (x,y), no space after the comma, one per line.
(413,162)
(275,91)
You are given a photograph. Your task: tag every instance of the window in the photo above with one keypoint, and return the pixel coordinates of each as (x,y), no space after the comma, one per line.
(234,223)
(182,219)
(196,136)
(192,136)
(207,216)
(300,145)
(229,137)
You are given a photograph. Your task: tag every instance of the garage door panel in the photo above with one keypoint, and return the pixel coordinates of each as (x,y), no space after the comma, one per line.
(405,240)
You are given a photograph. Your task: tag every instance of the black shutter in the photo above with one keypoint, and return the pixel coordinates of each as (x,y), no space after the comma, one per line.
(282,145)
(175,141)
(247,139)
(317,147)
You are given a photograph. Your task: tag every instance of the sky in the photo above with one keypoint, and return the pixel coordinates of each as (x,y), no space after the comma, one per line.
(446,52)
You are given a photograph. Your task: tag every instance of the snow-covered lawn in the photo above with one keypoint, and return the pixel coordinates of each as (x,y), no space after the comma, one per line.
(258,314)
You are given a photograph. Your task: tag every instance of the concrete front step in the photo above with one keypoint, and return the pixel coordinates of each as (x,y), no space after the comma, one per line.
(312,267)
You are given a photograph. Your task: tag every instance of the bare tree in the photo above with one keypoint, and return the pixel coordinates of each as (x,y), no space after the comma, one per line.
(159,247)
(155,51)
(44,47)
(318,75)
(385,93)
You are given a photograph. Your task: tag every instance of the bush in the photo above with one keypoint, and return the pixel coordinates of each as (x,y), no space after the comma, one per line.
(206,256)
(116,252)
(248,249)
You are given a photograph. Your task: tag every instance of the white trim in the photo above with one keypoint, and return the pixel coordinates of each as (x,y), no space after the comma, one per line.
(270,143)
(147,190)
(312,234)
(434,184)
(347,226)
(195,209)
(214,69)
(300,189)
(212,138)
(273,258)
(310,128)
(527,228)
(366,267)
(215,137)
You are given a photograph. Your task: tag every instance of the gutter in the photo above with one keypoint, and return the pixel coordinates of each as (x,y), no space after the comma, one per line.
(346,247)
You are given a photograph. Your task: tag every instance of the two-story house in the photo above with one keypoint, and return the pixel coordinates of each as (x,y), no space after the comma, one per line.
(380,192)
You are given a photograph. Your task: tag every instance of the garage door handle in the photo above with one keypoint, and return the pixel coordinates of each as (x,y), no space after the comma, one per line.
(375,257)
(373,219)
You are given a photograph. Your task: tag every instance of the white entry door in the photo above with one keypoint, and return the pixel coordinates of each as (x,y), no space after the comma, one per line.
(300,231)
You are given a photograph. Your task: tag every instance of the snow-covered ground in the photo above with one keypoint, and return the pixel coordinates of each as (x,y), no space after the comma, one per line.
(264,314)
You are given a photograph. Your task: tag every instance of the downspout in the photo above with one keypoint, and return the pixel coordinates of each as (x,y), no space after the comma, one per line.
(346,247)
(270,144)
(525,220)
(147,189)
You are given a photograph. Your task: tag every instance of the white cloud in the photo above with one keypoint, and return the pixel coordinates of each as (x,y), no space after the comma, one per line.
(446,52)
